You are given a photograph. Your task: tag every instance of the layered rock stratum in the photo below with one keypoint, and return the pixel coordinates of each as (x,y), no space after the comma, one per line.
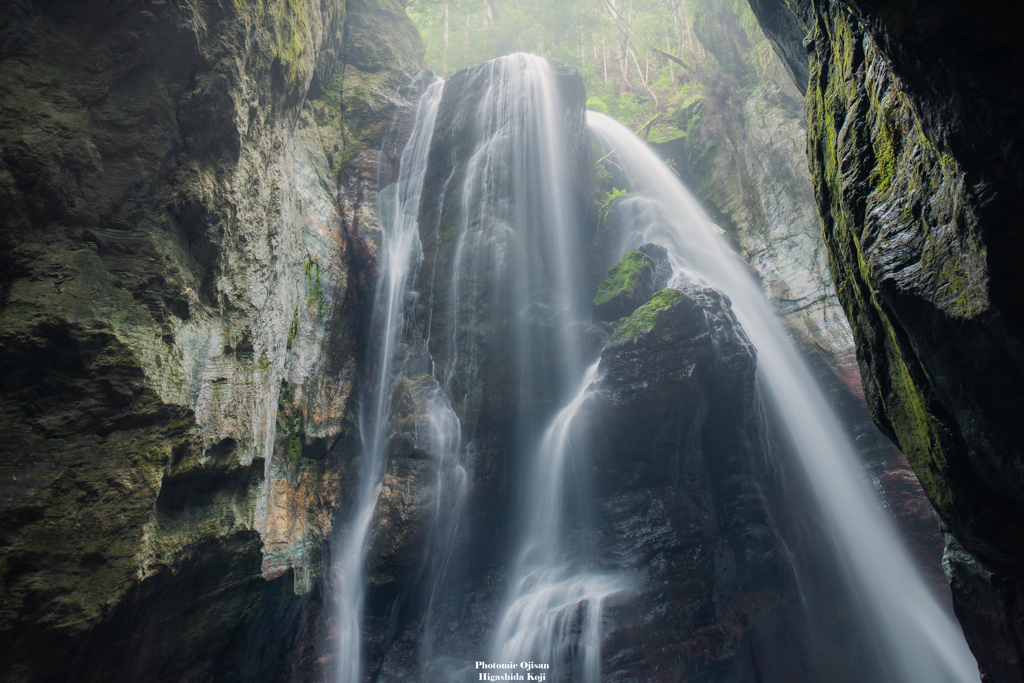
(180,281)
(914,134)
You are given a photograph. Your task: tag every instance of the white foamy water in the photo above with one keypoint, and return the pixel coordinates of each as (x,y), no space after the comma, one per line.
(515,261)
(551,594)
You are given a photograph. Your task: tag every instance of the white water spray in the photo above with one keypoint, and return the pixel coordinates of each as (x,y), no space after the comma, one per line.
(518,210)
(916,640)
(399,209)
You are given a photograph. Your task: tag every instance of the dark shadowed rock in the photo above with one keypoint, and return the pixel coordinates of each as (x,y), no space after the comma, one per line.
(177,350)
(491,338)
(680,470)
(663,268)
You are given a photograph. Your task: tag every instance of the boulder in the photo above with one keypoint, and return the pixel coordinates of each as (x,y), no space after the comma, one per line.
(663,267)
(680,468)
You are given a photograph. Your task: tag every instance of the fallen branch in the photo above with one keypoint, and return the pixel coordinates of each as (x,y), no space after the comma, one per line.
(616,166)
(647,125)
(643,80)
(672,57)
(604,157)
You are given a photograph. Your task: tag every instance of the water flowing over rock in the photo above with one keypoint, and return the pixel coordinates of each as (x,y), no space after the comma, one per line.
(491,289)
(679,456)
(682,473)
(583,575)
(921,643)
(914,147)
(753,179)
(307,370)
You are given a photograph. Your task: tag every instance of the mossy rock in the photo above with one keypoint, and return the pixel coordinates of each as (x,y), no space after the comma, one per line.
(646,316)
(629,285)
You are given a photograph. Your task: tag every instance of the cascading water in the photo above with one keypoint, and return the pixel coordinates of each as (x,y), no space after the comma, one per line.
(476,324)
(504,229)
(514,197)
(916,640)
(553,585)
(399,208)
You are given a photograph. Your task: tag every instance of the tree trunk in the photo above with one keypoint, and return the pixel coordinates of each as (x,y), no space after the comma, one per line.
(604,59)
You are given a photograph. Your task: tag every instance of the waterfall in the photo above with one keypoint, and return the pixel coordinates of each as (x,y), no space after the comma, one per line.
(398,210)
(491,247)
(916,640)
(479,320)
(515,258)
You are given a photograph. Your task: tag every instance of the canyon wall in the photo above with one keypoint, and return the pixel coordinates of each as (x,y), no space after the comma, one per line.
(914,133)
(180,286)
(188,255)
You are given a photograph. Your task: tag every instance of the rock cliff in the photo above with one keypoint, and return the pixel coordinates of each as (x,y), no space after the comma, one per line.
(188,254)
(179,294)
(914,134)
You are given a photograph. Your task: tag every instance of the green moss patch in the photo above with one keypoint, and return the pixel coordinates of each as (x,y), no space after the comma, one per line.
(624,276)
(645,317)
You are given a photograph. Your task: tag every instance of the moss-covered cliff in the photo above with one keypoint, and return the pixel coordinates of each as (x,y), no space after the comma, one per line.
(179,292)
(914,133)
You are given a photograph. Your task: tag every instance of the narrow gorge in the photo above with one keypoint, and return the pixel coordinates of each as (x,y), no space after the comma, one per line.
(323,361)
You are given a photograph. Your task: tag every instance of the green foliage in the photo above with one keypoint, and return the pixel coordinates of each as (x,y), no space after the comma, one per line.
(633,110)
(610,197)
(293,331)
(618,48)
(288,24)
(621,50)
(314,288)
(642,61)
(597,104)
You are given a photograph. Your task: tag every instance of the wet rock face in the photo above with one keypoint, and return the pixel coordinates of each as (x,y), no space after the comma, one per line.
(477,320)
(752,179)
(680,472)
(662,266)
(177,350)
(464,326)
(914,146)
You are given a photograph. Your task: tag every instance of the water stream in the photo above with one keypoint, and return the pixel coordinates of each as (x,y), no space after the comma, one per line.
(398,210)
(554,588)
(517,259)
